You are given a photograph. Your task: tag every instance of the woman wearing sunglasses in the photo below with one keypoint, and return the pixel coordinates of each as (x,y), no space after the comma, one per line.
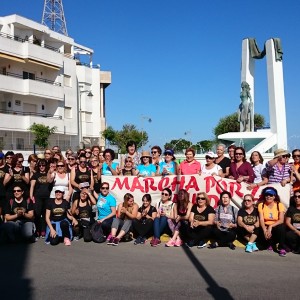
(106,205)
(292,222)
(19,216)
(58,176)
(169,165)
(165,211)
(278,169)
(211,168)
(296,169)
(201,222)
(241,170)
(59,219)
(17,175)
(40,193)
(271,218)
(248,223)
(143,223)
(81,177)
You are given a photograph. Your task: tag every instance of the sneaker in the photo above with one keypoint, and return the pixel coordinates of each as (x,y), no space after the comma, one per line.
(231,246)
(143,240)
(213,245)
(76,238)
(67,241)
(254,247)
(151,242)
(201,245)
(170,243)
(249,248)
(138,240)
(190,244)
(115,242)
(43,234)
(270,248)
(282,252)
(154,242)
(178,242)
(111,240)
(109,237)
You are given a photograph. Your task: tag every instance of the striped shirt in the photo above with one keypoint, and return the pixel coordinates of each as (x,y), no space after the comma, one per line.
(276,174)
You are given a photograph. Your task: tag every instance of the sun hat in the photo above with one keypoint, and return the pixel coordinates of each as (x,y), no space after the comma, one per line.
(280,152)
(146,154)
(271,191)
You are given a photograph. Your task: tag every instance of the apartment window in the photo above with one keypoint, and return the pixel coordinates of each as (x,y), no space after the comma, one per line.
(68,112)
(17,103)
(20,144)
(88,117)
(28,75)
(67,81)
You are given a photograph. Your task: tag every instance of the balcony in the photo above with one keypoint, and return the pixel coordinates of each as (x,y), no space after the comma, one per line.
(39,87)
(21,121)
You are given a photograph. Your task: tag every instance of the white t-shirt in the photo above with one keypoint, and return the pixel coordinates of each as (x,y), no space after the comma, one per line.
(209,172)
(258,170)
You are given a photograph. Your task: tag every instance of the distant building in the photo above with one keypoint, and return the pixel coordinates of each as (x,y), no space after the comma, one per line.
(42,80)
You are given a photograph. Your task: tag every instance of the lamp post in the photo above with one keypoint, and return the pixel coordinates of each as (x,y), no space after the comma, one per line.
(142,119)
(89,94)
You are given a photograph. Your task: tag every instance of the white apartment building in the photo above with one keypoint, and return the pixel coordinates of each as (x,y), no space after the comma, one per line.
(42,80)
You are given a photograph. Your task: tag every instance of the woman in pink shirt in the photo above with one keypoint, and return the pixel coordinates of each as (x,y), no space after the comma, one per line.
(190,165)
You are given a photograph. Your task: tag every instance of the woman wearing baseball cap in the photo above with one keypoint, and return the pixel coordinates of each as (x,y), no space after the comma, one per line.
(168,166)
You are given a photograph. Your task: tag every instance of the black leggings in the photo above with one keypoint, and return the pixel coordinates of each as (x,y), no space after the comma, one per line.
(64,225)
(200,233)
(40,211)
(83,231)
(293,240)
(143,228)
(223,238)
(278,236)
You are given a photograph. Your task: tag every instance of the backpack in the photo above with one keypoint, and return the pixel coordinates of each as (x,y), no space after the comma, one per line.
(97,233)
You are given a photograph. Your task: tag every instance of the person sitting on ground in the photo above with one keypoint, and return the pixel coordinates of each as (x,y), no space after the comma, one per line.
(277,169)
(146,168)
(179,225)
(58,218)
(19,216)
(127,211)
(224,231)
(83,212)
(211,168)
(201,221)
(190,165)
(222,160)
(248,223)
(241,170)
(292,222)
(169,165)
(106,205)
(271,218)
(165,211)
(259,170)
(143,223)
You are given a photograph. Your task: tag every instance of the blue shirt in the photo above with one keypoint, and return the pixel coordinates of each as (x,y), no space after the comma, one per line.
(146,170)
(106,170)
(169,166)
(104,205)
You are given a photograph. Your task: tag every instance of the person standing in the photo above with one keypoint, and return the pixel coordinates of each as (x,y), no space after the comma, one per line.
(222,160)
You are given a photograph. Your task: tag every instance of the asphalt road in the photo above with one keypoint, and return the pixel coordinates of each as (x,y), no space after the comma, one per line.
(98,271)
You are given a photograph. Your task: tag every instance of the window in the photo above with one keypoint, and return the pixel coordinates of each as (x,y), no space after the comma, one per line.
(68,112)
(67,81)
(17,103)
(27,75)
(20,144)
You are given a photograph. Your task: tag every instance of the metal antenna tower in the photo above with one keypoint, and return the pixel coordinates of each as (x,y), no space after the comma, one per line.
(53,16)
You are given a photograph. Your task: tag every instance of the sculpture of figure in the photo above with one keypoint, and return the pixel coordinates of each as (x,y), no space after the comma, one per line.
(245,112)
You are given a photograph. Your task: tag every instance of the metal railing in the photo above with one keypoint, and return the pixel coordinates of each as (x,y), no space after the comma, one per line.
(15,112)
(35,78)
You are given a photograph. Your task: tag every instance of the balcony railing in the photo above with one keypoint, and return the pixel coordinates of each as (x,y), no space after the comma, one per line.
(32,41)
(35,78)
(15,112)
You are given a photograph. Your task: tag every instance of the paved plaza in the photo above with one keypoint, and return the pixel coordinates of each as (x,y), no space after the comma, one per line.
(98,271)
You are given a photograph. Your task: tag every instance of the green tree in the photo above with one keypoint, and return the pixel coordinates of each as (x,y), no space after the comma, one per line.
(230,123)
(206,145)
(42,134)
(178,145)
(119,138)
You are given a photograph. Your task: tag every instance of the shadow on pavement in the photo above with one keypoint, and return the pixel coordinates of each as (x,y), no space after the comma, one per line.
(214,289)
(13,264)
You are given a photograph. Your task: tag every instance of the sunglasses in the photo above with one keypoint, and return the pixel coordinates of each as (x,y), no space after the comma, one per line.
(71,158)
(164,194)
(238,153)
(208,157)
(58,192)
(297,196)
(42,165)
(47,152)
(285,156)
(17,191)
(247,200)
(82,161)
(269,195)
(9,157)
(153,152)
(128,161)
(88,151)
(20,161)
(105,188)
(201,198)
(60,166)
(296,156)
(168,154)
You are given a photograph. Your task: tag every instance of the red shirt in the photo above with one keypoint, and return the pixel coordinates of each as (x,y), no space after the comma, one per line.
(189,168)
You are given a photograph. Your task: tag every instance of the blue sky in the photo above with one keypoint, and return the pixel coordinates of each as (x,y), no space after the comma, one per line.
(177,61)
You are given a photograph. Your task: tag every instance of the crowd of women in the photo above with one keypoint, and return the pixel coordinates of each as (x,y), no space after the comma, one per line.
(60,199)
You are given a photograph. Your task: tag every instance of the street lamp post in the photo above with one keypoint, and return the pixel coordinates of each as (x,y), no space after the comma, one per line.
(89,94)
(142,119)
